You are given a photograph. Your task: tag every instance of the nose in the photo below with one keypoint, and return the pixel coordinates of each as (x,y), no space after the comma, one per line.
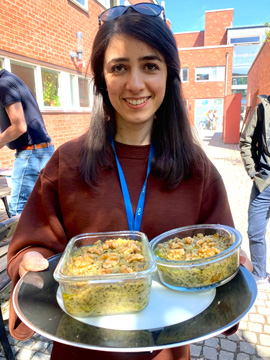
(135,81)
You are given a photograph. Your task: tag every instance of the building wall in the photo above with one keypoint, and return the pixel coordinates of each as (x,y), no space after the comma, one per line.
(258,76)
(61,127)
(216,23)
(45,30)
(191,39)
(204,57)
(206,48)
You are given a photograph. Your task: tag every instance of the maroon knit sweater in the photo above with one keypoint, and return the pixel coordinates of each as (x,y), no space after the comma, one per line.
(62,205)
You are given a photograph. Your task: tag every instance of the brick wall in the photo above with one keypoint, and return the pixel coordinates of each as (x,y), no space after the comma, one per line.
(259,77)
(202,90)
(46,30)
(214,33)
(206,51)
(192,39)
(215,26)
(61,128)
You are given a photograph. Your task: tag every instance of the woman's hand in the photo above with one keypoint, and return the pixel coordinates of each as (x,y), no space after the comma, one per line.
(244,260)
(32,261)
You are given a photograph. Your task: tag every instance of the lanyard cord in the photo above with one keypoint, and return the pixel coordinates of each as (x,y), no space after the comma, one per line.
(133,224)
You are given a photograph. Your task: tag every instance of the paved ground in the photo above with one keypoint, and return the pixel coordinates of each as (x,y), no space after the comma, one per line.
(252,340)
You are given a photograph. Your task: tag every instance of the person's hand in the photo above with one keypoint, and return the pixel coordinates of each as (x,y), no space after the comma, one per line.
(32,261)
(244,260)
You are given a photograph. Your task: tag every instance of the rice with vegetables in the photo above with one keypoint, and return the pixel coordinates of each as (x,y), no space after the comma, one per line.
(102,259)
(198,251)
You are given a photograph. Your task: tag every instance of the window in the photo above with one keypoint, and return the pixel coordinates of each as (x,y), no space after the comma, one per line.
(83,4)
(110,3)
(50,87)
(245,40)
(184,74)
(243,57)
(216,73)
(53,89)
(84,92)
(244,54)
(105,3)
(26,73)
(240,80)
(72,89)
(240,70)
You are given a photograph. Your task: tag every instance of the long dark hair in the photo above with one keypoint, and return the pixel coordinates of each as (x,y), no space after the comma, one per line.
(175,151)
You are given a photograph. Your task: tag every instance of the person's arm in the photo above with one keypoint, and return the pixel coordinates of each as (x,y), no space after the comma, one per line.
(40,234)
(248,144)
(18,124)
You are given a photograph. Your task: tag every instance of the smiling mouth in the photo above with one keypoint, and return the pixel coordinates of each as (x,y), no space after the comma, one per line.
(137,101)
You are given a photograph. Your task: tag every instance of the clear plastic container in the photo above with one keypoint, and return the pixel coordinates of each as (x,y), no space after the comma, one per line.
(202,273)
(110,293)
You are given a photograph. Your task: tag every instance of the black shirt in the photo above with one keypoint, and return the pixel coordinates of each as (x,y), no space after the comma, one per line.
(12,90)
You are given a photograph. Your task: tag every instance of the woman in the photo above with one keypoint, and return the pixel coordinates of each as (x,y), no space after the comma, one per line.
(139,114)
(215,119)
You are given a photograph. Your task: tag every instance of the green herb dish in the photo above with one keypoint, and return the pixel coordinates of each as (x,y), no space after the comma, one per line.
(197,257)
(97,278)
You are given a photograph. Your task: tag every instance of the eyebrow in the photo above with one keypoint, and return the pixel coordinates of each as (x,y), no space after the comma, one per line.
(143,58)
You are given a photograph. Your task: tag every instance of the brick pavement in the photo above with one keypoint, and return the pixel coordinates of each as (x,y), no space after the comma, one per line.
(252,340)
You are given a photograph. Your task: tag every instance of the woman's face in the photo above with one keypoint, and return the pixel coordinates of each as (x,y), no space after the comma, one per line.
(135,76)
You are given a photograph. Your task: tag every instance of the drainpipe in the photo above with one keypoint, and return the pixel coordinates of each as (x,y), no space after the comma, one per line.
(226,74)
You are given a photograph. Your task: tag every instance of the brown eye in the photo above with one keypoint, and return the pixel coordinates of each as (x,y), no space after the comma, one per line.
(118,68)
(151,67)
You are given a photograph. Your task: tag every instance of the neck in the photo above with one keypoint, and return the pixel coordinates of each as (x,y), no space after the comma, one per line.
(134,136)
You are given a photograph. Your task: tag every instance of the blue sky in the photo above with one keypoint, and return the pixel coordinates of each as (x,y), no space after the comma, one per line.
(188,15)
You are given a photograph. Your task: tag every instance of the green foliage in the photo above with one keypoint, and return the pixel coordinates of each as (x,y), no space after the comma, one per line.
(50,89)
(267,32)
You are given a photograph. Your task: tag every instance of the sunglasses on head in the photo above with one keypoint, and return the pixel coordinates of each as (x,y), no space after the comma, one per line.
(142,8)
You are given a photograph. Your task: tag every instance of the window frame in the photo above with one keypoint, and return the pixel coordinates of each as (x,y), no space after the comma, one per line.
(60,86)
(2,63)
(252,39)
(89,87)
(106,3)
(181,74)
(83,7)
(64,91)
(215,68)
(22,64)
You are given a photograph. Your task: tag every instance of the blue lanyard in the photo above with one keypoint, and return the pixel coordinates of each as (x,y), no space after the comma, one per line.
(133,224)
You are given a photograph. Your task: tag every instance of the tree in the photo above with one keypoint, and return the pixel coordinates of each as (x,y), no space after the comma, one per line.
(267,32)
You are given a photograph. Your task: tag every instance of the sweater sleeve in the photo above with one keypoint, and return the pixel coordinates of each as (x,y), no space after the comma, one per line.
(36,224)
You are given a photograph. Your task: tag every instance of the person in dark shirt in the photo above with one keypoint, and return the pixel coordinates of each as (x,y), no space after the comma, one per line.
(22,129)
(255,149)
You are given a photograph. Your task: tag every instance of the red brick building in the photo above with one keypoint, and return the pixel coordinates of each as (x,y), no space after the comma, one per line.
(37,38)
(206,62)
(259,77)
(215,64)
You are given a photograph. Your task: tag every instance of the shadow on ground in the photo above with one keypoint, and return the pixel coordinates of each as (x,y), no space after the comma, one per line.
(215,139)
